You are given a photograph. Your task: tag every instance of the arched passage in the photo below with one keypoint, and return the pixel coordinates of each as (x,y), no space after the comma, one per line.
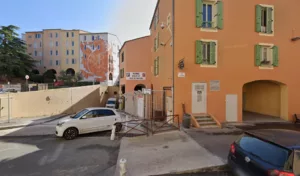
(70,71)
(139,87)
(265,100)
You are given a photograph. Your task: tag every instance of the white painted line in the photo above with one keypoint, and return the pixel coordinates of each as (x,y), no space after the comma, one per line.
(43,160)
(56,153)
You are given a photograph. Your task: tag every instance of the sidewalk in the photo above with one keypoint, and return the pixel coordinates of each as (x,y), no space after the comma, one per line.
(171,152)
(23,122)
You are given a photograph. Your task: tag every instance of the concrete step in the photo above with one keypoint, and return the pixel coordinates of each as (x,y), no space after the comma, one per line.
(206,119)
(207,123)
(210,126)
(202,117)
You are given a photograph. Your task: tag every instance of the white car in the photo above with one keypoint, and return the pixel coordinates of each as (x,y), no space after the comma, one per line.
(111,103)
(87,121)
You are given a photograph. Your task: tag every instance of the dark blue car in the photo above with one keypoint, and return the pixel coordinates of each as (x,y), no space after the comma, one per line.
(266,153)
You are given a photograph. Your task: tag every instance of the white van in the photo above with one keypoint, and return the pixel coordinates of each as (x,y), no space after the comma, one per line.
(111,103)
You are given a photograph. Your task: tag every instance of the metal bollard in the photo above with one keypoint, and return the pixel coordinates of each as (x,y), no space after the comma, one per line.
(123,167)
(113,133)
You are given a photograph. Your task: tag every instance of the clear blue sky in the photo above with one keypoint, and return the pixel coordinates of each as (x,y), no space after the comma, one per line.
(89,15)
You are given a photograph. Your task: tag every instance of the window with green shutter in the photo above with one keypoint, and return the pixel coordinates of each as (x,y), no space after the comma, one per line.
(122,72)
(209,14)
(206,52)
(156,66)
(264,19)
(266,56)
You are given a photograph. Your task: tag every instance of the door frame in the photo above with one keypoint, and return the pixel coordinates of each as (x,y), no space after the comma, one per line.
(205,104)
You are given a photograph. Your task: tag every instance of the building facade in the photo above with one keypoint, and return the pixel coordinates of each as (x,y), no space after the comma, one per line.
(135,70)
(57,50)
(234,60)
(99,59)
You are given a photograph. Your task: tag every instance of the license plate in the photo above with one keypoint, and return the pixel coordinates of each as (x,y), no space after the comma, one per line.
(239,172)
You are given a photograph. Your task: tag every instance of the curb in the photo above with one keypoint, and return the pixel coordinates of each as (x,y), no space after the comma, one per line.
(28,136)
(221,168)
(28,125)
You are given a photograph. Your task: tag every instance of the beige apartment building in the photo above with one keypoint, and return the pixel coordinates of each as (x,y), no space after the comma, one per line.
(55,49)
(94,55)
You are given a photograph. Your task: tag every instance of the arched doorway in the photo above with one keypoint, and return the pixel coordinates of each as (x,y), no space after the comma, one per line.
(35,71)
(265,100)
(139,87)
(70,72)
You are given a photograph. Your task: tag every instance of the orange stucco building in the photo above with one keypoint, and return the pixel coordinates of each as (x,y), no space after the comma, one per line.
(226,58)
(135,64)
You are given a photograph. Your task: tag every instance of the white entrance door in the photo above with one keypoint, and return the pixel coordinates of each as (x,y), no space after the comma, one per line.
(140,107)
(199,92)
(231,108)
(169,108)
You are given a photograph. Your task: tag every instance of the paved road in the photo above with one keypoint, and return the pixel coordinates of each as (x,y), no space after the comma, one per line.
(216,144)
(87,155)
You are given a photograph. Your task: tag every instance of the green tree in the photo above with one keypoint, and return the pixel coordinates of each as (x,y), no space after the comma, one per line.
(14,60)
(68,78)
(49,76)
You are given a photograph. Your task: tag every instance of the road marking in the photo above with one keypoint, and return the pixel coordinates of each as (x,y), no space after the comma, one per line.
(43,160)
(57,152)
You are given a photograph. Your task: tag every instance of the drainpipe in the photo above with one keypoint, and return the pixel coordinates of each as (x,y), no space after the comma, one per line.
(173,55)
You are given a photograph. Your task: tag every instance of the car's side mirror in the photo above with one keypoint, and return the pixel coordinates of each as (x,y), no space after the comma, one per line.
(83,117)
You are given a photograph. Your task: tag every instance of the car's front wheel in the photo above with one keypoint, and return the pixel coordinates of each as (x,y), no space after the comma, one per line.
(118,127)
(70,133)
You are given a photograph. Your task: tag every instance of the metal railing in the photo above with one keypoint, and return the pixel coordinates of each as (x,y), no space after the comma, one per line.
(148,127)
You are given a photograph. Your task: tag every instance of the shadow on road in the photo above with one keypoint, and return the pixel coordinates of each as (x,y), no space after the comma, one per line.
(89,154)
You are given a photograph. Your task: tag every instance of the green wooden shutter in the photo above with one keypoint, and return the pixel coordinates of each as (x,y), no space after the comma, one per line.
(258,18)
(199,52)
(212,53)
(199,13)
(157,61)
(258,55)
(220,15)
(270,20)
(154,71)
(275,56)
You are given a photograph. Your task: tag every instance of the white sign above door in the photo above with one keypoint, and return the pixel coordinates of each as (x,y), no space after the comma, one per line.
(135,76)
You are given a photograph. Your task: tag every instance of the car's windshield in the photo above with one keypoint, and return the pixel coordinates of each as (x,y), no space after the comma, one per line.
(79,114)
(111,102)
(297,163)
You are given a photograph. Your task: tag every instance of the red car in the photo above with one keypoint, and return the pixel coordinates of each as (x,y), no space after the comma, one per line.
(59,83)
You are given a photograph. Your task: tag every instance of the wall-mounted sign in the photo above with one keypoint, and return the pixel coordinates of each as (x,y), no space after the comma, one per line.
(135,76)
(147,91)
(181,74)
(214,85)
